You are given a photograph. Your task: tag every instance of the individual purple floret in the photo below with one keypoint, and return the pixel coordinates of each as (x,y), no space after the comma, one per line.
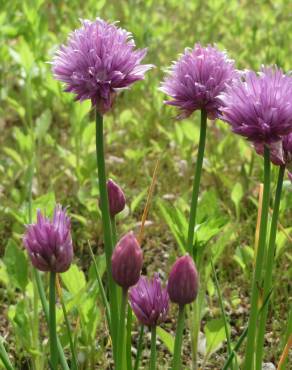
(49,242)
(127,260)
(98,61)
(116,198)
(197,79)
(149,301)
(183,281)
(259,107)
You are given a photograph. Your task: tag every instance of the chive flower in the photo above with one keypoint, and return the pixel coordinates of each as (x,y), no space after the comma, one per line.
(197,79)
(183,281)
(149,301)
(99,60)
(48,242)
(116,198)
(259,106)
(127,260)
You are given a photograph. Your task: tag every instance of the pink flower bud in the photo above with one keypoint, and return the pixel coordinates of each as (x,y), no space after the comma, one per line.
(116,198)
(183,281)
(127,260)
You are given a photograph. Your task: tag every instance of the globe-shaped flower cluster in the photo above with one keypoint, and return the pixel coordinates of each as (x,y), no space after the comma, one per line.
(98,61)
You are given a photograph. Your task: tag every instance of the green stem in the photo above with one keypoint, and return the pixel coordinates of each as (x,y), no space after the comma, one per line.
(235,349)
(152,365)
(139,348)
(44,302)
(227,334)
(256,283)
(104,205)
(196,182)
(269,268)
(121,332)
(102,291)
(178,339)
(129,339)
(72,348)
(52,325)
(4,356)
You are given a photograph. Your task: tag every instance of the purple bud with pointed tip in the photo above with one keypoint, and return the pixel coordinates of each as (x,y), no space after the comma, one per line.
(183,282)
(116,198)
(149,301)
(127,261)
(49,242)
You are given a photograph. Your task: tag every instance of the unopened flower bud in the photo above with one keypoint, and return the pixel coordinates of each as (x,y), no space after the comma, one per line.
(127,260)
(183,281)
(116,198)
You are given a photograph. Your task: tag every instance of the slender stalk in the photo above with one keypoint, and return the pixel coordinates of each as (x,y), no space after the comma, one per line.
(101,288)
(269,268)
(196,182)
(152,365)
(139,348)
(121,332)
(129,339)
(236,347)
(104,205)
(178,339)
(256,283)
(4,356)
(68,327)
(44,302)
(227,334)
(52,325)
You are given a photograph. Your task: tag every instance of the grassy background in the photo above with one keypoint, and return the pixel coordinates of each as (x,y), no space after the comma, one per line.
(139,131)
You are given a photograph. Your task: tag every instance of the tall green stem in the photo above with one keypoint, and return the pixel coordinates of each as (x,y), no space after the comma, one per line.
(178,339)
(269,268)
(52,324)
(256,283)
(152,365)
(104,205)
(121,332)
(196,182)
(139,348)
(129,339)
(47,316)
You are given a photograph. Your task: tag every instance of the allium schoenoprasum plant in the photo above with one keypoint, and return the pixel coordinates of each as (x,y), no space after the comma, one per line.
(259,107)
(48,157)
(195,82)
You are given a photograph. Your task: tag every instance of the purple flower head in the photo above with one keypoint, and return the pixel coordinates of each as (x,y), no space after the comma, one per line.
(149,301)
(48,242)
(197,79)
(116,198)
(183,282)
(127,261)
(98,61)
(259,107)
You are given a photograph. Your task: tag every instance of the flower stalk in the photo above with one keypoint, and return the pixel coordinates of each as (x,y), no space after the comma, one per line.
(196,182)
(52,322)
(256,283)
(152,365)
(106,221)
(178,339)
(269,267)
(121,331)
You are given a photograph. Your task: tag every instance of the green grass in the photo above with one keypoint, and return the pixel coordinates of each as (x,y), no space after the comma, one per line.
(138,132)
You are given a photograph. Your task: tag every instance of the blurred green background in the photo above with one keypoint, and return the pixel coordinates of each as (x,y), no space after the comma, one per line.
(139,131)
